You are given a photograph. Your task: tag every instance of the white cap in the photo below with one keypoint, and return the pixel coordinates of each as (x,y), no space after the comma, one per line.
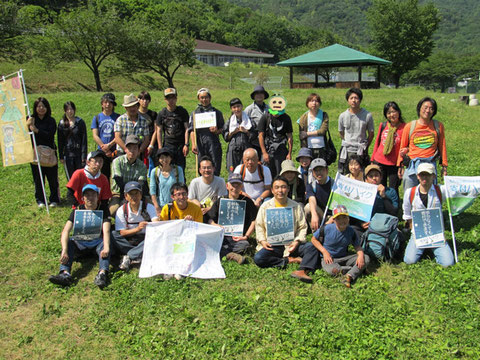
(426,168)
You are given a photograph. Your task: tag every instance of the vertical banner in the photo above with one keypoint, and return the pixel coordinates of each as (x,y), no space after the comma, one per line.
(14,135)
(357,196)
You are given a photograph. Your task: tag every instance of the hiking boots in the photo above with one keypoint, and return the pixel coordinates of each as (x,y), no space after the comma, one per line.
(236,257)
(302,276)
(63,278)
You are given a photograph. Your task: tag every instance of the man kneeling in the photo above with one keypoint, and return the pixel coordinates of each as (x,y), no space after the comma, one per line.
(101,244)
(333,241)
(130,222)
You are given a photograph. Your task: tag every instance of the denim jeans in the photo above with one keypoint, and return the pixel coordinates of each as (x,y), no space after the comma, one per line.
(443,254)
(84,246)
(124,247)
(347,263)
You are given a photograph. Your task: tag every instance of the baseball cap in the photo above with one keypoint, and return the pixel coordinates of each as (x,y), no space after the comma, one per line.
(235,178)
(132,139)
(318,162)
(95,153)
(426,168)
(339,210)
(170,91)
(91,187)
(372,167)
(110,98)
(133,185)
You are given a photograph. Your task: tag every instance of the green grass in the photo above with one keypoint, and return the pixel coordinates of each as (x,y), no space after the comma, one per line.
(397,311)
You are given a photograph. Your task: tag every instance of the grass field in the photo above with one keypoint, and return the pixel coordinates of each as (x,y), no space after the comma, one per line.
(396,312)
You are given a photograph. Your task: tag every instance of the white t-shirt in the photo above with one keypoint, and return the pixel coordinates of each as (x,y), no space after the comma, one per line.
(314,142)
(355,126)
(199,190)
(133,218)
(255,190)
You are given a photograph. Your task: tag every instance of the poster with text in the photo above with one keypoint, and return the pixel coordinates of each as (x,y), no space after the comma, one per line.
(87,224)
(231,215)
(428,228)
(461,192)
(280,226)
(205,120)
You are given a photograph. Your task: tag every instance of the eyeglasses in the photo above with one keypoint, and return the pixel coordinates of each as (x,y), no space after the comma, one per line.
(180,194)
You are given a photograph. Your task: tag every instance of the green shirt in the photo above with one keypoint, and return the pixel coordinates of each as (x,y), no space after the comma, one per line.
(128,172)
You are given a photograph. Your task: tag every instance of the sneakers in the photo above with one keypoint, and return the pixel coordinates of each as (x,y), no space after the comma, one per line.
(125,264)
(236,257)
(101,279)
(167,276)
(53,204)
(178,277)
(40,204)
(347,281)
(302,276)
(63,279)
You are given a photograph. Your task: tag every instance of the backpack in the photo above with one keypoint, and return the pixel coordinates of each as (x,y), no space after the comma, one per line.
(243,169)
(437,190)
(143,212)
(382,240)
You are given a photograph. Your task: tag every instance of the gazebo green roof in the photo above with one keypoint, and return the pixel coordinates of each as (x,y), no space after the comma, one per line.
(334,55)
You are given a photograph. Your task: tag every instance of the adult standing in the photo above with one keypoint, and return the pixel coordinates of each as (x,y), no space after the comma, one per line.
(355,126)
(207,142)
(274,133)
(102,130)
(313,125)
(257,109)
(44,127)
(423,140)
(387,145)
(144,100)
(172,128)
(72,139)
(238,133)
(131,123)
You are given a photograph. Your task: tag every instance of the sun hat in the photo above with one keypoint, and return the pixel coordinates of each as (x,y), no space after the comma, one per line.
(288,165)
(304,152)
(129,100)
(259,89)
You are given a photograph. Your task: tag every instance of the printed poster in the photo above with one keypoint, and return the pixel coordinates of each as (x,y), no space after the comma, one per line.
(280,226)
(14,134)
(357,196)
(182,247)
(428,228)
(461,192)
(231,216)
(205,120)
(87,224)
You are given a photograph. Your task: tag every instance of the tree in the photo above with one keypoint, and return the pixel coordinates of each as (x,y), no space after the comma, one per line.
(402,32)
(9,27)
(86,33)
(154,46)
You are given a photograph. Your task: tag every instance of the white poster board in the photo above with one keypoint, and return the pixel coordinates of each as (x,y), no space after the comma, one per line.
(205,120)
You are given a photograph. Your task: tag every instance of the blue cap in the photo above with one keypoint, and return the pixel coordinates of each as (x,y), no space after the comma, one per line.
(91,187)
(133,185)
(235,178)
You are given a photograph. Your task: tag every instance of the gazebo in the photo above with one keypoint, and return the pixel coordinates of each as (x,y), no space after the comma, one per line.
(335,56)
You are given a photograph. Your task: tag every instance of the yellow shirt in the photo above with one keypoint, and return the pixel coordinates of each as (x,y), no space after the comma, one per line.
(176,213)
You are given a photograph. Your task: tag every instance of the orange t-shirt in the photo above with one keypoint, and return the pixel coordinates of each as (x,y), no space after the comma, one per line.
(423,142)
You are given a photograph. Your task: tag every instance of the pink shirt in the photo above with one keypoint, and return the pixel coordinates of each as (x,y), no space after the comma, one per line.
(390,159)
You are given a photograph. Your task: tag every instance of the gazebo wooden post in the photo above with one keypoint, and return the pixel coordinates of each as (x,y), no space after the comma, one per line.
(291,77)
(316,77)
(379,76)
(360,76)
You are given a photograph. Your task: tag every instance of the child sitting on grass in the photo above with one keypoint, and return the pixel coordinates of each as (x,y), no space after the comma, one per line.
(355,166)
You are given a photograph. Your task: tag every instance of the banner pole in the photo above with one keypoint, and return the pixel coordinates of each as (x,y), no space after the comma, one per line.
(328,202)
(20,75)
(451,225)
(195,140)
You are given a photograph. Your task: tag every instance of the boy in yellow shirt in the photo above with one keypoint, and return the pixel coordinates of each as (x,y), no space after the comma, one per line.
(181,208)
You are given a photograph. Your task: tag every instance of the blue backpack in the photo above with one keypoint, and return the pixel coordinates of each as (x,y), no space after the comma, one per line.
(382,240)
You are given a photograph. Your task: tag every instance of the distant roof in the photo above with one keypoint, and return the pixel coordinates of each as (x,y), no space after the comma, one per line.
(337,54)
(207,47)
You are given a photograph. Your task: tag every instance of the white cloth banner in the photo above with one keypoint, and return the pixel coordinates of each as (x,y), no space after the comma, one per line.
(182,247)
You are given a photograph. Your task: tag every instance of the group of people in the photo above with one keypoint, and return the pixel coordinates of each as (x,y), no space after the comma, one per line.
(137,175)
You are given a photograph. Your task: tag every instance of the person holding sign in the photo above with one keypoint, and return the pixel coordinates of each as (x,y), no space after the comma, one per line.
(238,209)
(181,208)
(206,123)
(318,193)
(239,131)
(130,222)
(332,242)
(274,134)
(281,234)
(425,196)
(96,220)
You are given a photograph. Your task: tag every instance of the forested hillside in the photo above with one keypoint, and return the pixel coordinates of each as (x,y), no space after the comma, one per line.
(458,31)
